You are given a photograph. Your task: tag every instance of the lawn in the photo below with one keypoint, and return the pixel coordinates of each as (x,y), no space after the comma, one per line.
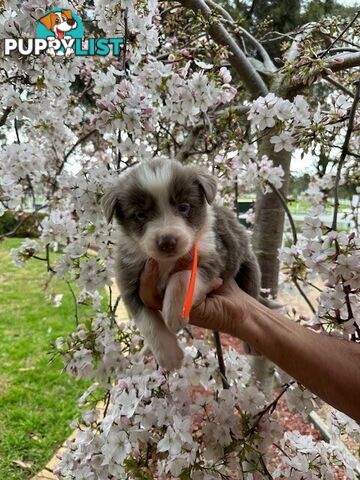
(37,402)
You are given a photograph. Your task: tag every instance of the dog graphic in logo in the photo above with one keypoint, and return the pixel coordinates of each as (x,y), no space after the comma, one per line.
(63,26)
(59,22)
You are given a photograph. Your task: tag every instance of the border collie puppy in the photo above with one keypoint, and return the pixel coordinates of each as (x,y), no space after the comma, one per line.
(163,208)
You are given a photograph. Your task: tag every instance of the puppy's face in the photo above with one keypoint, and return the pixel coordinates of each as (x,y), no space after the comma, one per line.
(162,206)
(59,22)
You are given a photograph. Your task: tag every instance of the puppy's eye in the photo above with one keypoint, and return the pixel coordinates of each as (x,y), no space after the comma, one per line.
(140,216)
(57,20)
(183,209)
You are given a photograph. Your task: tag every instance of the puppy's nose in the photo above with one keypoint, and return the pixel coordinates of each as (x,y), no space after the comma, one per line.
(71,22)
(167,243)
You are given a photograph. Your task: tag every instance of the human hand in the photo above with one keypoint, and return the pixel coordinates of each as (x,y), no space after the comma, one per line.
(224,308)
(149,280)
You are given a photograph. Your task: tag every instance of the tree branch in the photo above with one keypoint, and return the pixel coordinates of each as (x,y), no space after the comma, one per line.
(247,73)
(221,362)
(303,294)
(268,63)
(340,35)
(4,116)
(283,201)
(338,63)
(344,152)
(189,143)
(76,144)
(21,222)
(338,85)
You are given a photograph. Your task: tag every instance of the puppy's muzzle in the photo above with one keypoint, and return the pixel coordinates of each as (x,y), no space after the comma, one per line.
(167,244)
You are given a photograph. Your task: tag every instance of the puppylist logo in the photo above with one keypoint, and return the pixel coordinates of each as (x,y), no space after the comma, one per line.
(60,32)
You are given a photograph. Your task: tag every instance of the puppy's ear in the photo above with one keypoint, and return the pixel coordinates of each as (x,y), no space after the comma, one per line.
(111,203)
(67,13)
(208,184)
(48,20)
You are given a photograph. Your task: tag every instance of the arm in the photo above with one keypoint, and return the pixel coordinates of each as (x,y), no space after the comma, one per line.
(328,366)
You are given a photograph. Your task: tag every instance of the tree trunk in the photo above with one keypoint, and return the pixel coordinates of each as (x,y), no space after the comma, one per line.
(267,239)
(269,220)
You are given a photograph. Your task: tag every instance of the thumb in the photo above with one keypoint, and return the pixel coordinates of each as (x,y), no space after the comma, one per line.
(210,287)
(205,309)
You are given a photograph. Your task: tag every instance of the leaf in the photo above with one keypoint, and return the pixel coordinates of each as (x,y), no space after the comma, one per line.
(24,465)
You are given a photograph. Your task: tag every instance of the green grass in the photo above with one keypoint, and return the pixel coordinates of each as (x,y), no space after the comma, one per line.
(303,207)
(37,402)
(297,206)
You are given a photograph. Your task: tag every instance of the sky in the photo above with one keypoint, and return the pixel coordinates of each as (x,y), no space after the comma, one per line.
(349,3)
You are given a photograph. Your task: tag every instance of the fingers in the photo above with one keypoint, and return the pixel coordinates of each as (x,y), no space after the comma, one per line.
(148,285)
(221,310)
(208,314)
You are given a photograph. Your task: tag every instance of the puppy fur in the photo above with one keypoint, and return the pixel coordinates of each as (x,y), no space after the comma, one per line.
(162,209)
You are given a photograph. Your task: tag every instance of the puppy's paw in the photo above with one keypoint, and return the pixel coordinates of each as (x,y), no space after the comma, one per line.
(174,301)
(159,339)
(170,355)
(173,319)
(167,351)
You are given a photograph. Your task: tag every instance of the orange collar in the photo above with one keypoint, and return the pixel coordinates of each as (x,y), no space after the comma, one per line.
(191,287)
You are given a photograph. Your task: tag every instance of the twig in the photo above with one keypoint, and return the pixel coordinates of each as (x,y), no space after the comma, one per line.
(338,85)
(344,152)
(119,155)
(243,34)
(294,233)
(189,142)
(339,50)
(125,40)
(75,301)
(221,362)
(14,230)
(49,267)
(76,144)
(247,73)
(347,291)
(303,294)
(266,471)
(4,116)
(251,9)
(281,450)
(107,403)
(340,35)
(17,131)
(286,208)
(269,408)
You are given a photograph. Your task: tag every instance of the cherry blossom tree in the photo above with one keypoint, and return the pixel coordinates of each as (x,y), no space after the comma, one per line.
(193,84)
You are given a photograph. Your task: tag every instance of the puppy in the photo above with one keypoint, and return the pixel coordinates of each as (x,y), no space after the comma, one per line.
(162,209)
